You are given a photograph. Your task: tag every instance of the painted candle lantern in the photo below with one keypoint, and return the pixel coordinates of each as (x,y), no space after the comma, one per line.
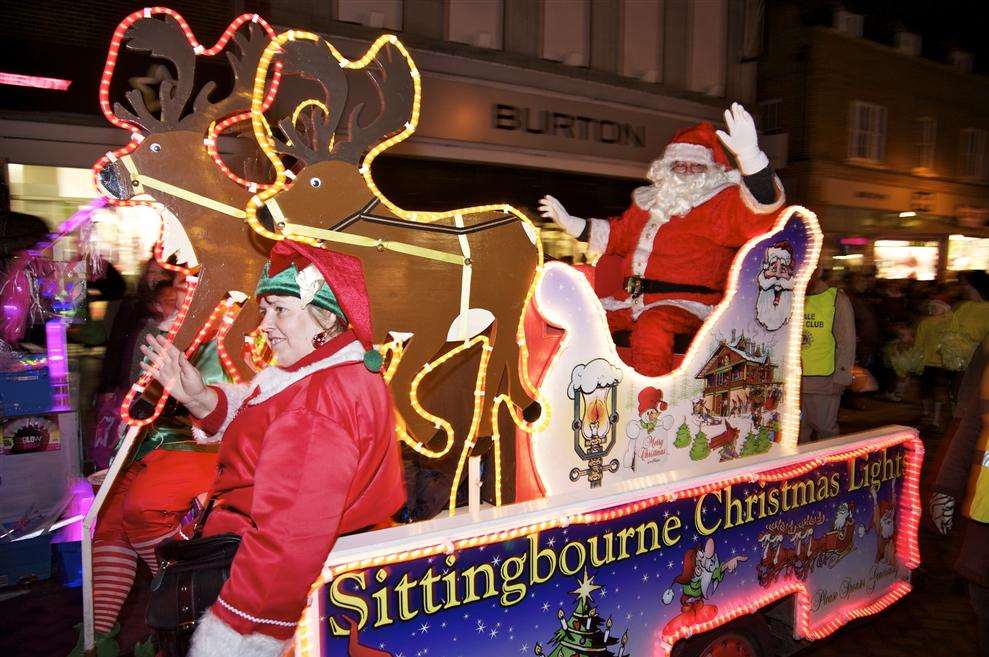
(594,391)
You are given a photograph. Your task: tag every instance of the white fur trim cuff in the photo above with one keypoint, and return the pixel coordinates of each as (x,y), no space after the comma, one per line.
(600,232)
(763,208)
(214,638)
(235,393)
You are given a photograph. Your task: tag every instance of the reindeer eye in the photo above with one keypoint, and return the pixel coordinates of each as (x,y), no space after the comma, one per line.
(155,148)
(315,182)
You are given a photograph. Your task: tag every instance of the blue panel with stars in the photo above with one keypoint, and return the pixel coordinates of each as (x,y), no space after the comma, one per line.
(624,586)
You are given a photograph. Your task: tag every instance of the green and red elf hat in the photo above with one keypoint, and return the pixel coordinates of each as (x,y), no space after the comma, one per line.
(326,279)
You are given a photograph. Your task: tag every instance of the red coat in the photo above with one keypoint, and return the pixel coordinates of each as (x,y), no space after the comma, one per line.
(310,455)
(697,248)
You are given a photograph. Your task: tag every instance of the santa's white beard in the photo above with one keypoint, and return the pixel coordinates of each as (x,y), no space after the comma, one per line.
(886,526)
(773,311)
(674,194)
(840,519)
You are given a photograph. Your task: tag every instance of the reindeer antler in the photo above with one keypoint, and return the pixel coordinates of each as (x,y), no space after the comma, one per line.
(243,65)
(309,61)
(396,91)
(162,38)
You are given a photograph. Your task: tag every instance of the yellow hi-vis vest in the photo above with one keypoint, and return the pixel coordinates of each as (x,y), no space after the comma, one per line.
(976,504)
(818,351)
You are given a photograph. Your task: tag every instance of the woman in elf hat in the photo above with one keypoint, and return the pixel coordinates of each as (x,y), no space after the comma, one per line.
(308,447)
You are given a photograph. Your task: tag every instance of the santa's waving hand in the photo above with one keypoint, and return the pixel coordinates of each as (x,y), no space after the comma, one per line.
(742,140)
(678,238)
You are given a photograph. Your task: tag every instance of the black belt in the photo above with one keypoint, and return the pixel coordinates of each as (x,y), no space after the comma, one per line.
(637,286)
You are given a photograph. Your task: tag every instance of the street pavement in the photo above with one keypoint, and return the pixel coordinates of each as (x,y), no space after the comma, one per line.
(935,620)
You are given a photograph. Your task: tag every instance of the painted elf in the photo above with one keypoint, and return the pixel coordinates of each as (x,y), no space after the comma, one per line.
(701,575)
(647,425)
(679,236)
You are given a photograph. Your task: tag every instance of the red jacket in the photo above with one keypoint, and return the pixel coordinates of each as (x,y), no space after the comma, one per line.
(310,455)
(697,248)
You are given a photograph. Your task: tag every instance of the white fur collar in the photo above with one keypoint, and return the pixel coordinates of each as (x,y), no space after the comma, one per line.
(272,380)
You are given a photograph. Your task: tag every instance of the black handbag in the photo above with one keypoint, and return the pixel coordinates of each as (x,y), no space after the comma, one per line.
(190,576)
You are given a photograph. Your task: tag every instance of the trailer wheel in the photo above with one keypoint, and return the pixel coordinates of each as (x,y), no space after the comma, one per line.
(745,637)
(731,644)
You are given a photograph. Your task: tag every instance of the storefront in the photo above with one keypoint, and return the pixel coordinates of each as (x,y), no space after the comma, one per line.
(900,232)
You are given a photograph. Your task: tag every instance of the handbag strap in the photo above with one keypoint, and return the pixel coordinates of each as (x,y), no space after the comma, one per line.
(201,520)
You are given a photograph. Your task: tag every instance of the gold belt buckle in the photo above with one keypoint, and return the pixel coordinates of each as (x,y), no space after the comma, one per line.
(633,285)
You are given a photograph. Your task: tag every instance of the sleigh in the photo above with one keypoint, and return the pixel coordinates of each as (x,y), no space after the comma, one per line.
(503,372)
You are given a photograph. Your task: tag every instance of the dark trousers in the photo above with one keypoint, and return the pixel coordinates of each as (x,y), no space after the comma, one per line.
(979,595)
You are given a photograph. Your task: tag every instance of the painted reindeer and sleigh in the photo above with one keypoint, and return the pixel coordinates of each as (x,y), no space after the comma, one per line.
(447,290)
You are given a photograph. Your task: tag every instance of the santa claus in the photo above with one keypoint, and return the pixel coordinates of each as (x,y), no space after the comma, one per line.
(680,235)
(772,309)
(884,522)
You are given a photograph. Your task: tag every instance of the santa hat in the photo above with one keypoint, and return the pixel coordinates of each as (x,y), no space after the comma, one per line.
(650,398)
(780,251)
(327,279)
(698,144)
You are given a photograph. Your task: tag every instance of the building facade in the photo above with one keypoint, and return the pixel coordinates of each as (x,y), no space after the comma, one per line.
(886,146)
(520,97)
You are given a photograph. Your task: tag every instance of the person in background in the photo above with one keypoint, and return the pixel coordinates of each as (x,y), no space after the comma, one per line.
(936,380)
(139,312)
(826,358)
(860,295)
(963,479)
(160,484)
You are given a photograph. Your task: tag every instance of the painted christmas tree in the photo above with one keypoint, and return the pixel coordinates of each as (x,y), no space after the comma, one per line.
(582,635)
(683,435)
(701,448)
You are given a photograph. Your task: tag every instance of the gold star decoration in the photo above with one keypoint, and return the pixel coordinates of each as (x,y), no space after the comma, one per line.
(587,586)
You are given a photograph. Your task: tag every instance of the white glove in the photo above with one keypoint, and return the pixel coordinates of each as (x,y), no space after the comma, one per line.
(743,141)
(942,511)
(550,208)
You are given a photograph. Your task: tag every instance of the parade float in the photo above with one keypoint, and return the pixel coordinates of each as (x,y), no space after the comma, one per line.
(609,512)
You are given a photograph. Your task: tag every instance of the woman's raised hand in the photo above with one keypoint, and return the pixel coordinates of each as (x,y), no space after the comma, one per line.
(173,371)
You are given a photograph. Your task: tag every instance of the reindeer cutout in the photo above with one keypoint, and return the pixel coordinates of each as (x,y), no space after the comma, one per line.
(172,160)
(448,289)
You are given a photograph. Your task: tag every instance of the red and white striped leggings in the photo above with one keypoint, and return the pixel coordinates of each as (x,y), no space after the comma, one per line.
(144,508)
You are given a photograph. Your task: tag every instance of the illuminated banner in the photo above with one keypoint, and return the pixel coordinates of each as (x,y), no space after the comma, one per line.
(837,530)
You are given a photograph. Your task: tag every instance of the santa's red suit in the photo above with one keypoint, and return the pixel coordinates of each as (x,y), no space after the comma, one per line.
(683,261)
(308,454)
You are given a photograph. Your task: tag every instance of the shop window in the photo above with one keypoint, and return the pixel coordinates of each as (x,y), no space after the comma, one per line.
(708,63)
(867,134)
(476,22)
(384,14)
(642,40)
(567,31)
(926,136)
(770,121)
(974,154)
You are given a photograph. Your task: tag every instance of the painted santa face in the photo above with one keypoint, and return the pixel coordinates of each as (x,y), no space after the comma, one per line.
(289,328)
(886,525)
(775,294)
(841,515)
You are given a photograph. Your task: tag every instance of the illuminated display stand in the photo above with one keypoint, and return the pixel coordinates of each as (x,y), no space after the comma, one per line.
(646,510)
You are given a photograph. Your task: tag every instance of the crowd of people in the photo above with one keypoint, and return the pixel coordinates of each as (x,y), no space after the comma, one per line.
(899,331)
